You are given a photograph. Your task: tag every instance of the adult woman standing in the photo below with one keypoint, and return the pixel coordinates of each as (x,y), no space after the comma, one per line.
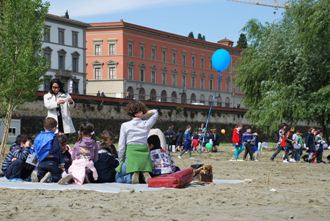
(58,104)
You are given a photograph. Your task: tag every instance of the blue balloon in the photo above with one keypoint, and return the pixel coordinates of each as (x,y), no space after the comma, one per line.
(221,60)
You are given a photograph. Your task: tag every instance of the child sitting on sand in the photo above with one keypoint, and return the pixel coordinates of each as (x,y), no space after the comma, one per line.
(161,160)
(133,150)
(84,154)
(107,162)
(14,166)
(65,152)
(48,152)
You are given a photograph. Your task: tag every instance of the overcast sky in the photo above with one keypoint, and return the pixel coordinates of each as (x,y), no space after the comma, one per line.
(216,19)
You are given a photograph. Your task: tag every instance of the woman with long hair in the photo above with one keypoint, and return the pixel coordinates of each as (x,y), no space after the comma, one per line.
(58,104)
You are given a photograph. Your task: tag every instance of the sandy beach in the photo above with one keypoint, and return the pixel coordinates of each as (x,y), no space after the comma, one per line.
(276,191)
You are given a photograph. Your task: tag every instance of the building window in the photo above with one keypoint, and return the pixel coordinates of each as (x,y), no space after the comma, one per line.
(75,62)
(229,84)
(48,55)
(174,79)
(153,95)
(184,81)
(202,99)
(153,76)
(142,94)
(75,39)
(193,98)
(219,83)
(211,64)
(142,71)
(219,101)
(130,49)
(61,36)
(112,72)
(97,73)
(47,33)
(193,61)
(184,59)
(47,80)
(97,48)
(193,82)
(227,102)
(142,51)
(211,99)
(130,93)
(153,53)
(163,96)
(202,63)
(61,59)
(211,84)
(112,48)
(202,83)
(130,73)
(164,78)
(174,97)
(164,56)
(173,57)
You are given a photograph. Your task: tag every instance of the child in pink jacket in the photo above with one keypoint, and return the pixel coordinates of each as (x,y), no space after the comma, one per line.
(84,154)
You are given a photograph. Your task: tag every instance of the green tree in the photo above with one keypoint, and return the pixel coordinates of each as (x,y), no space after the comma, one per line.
(191,35)
(21,63)
(242,41)
(199,37)
(285,71)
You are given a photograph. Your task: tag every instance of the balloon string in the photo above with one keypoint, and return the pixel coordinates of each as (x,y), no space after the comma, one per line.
(206,124)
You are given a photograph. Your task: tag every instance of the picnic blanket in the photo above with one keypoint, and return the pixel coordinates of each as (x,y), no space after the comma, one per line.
(99,187)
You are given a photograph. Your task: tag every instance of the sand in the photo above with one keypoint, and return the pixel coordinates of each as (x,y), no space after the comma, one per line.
(277,191)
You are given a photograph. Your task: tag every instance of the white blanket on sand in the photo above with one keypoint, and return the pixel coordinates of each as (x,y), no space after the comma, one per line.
(102,187)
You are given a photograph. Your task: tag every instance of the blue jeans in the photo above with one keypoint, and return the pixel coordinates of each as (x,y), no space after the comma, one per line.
(49,166)
(122,176)
(277,151)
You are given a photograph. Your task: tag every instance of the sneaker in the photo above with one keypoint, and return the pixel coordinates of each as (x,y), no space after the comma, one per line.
(34,176)
(135,178)
(179,157)
(46,178)
(285,161)
(292,161)
(65,180)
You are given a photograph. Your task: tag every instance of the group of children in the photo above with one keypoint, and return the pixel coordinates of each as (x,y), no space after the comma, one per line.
(293,144)
(51,159)
(247,142)
(201,140)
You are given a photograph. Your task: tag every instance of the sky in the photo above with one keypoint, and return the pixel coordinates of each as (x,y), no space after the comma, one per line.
(216,19)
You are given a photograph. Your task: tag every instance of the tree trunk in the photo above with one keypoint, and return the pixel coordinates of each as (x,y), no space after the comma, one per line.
(325,131)
(7,122)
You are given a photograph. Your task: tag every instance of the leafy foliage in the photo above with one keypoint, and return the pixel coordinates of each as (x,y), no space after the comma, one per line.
(21,63)
(285,71)
(242,41)
(191,35)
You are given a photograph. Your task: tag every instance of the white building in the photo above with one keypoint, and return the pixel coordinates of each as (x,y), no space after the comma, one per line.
(64,48)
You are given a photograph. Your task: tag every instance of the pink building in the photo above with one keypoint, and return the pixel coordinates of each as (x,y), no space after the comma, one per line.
(128,60)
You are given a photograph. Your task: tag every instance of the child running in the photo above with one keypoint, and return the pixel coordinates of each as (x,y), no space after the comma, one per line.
(237,140)
(133,150)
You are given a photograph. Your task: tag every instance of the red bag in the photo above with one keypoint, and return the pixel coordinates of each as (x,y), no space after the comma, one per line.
(175,180)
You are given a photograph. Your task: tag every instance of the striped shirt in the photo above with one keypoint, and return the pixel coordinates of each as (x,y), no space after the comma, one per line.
(21,154)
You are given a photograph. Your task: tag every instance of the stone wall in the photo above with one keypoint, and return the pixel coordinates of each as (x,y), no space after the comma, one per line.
(109,113)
